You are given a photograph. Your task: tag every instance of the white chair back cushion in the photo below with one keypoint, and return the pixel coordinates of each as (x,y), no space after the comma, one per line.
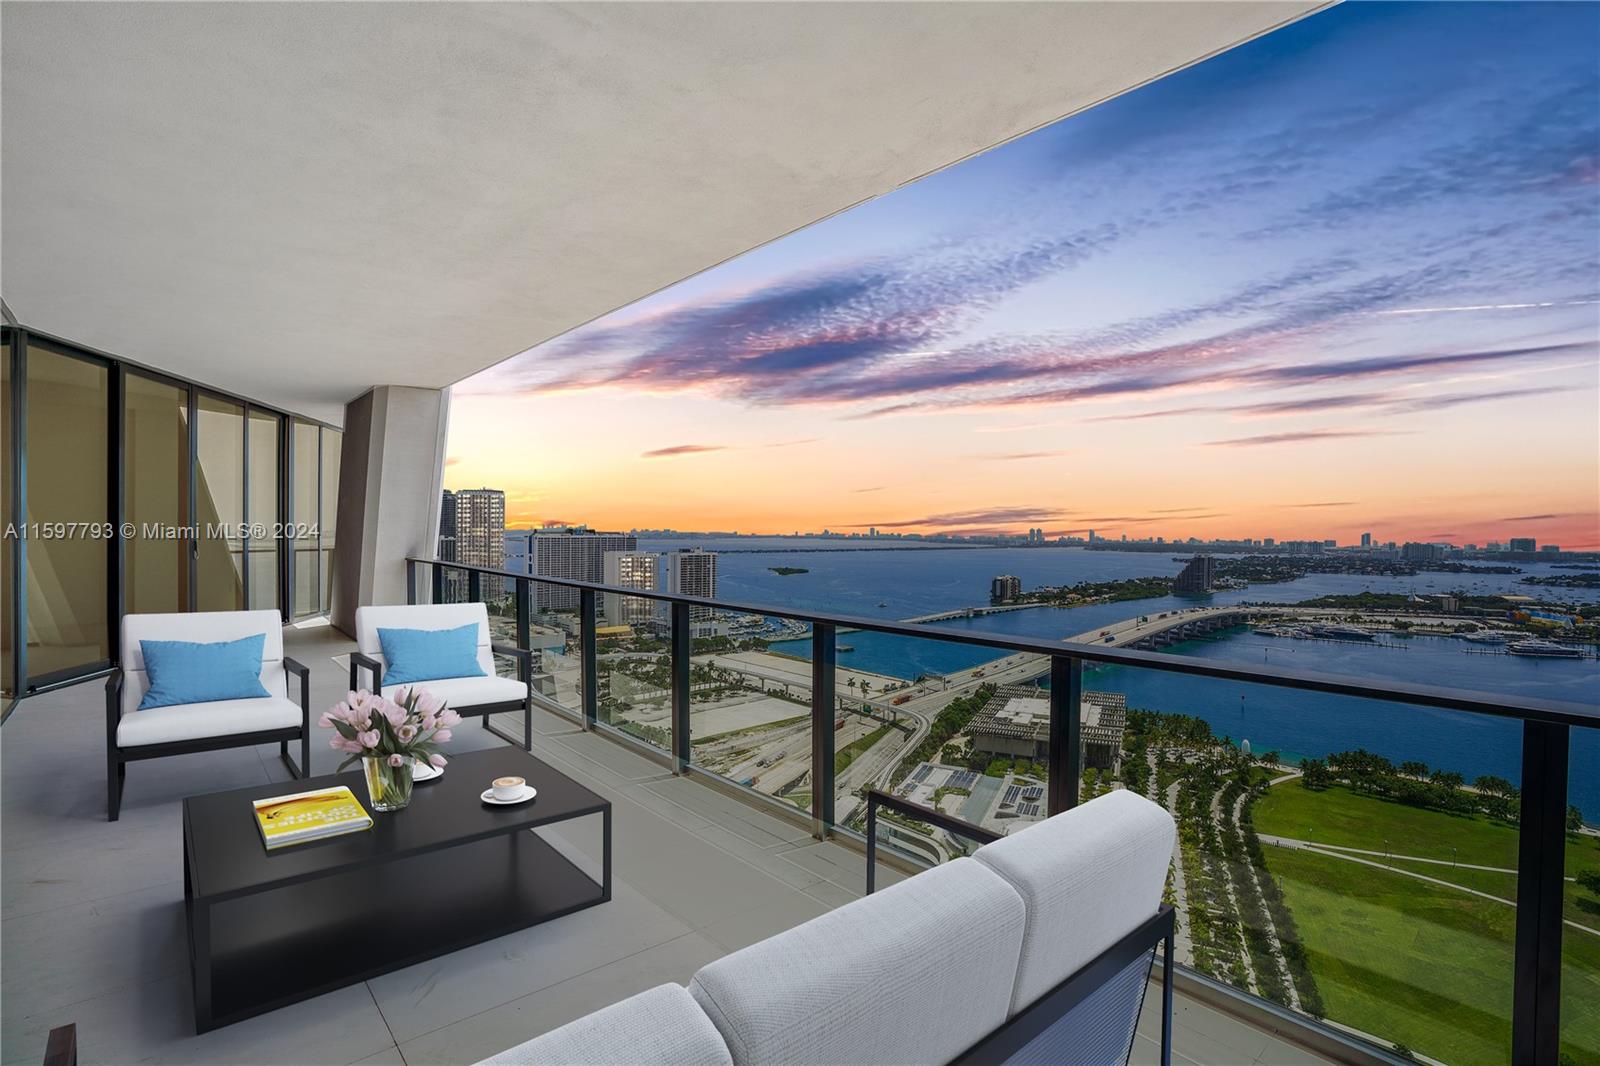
(421,616)
(916,973)
(201,627)
(664,1025)
(1088,876)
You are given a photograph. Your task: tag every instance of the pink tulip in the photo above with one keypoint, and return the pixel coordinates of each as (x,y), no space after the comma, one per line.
(427,722)
(428,704)
(369,739)
(437,760)
(393,713)
(402,695)
(397,760)
(325,722)
(449,717)
(359,698)
(442,735)
(406,733)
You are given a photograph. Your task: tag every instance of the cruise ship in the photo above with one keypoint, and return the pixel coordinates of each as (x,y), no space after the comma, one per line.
(1492,636)
(1545,649)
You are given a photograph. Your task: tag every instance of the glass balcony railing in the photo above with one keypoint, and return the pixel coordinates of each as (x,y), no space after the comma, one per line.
(1432,891)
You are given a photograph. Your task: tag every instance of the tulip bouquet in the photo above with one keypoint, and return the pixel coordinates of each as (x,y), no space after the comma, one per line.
(389,736)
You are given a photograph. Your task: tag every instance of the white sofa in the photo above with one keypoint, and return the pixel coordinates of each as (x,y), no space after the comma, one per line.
(484,695)
(980,959)
(132,734)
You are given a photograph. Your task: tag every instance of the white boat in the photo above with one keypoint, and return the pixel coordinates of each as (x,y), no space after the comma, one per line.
(1544,649)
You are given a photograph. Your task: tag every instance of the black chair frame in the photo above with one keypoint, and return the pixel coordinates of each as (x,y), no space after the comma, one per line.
(1028,1024)
(360,661)
(118,758)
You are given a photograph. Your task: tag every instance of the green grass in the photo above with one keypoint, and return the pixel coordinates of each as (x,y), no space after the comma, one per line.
(856,748)
(1413,962)
(1337,815)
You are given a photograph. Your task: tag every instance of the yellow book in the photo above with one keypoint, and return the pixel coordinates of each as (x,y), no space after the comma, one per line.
(304,816)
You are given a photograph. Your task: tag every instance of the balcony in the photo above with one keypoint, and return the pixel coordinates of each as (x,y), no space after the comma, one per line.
(94,928)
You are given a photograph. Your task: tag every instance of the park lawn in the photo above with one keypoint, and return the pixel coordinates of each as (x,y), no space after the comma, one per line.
(1421,964)
(1581,906)
(1336,815)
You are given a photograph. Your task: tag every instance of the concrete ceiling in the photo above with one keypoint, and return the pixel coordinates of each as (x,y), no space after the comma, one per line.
(295,202)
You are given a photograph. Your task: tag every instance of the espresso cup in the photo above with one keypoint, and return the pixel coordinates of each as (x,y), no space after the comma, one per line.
(507,788)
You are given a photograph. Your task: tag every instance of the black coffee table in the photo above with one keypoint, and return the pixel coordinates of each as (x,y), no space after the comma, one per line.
(271,928)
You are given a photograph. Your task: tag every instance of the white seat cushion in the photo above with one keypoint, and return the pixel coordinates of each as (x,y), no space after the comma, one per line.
(662,1026)
(464,692)
(194,721)
(916,973)
(1088,877)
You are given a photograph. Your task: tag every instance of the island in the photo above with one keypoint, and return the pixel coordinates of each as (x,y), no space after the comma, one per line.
(785,571)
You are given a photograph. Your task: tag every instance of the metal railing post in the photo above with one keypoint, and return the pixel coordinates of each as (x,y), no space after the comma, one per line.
(682,648)
(824,678)
(411,581)
(438,583)
(1066,731)
(1541,859)
(589,675)
(872,843)
(524,613)
(474,586)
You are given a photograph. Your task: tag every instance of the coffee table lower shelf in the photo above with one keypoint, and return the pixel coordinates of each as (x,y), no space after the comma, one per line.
(258,952)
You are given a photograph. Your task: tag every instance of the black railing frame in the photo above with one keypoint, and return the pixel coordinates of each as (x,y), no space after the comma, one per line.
(1546,731)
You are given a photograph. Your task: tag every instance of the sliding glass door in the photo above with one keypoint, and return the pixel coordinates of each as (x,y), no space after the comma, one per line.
(126,491)
(155,493)
(69,532)
(219,477)
(264,544)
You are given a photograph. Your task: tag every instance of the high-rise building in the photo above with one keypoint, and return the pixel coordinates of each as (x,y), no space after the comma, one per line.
(1366,540)
(692,572)
(1523,544)
(1198,576)
(1419,552)
(454,581)
(634,570)
(1005,589)
(572,553)
(481,533)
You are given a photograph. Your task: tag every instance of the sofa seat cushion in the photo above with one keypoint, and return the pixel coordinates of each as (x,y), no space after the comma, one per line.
(916,973)
(1088,877)
(196,721)
(464,692)
(662,1026)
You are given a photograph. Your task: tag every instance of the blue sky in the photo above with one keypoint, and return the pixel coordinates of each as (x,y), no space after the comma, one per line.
(1380,222)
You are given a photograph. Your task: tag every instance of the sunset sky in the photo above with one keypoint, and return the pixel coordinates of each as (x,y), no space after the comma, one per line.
(1344,278)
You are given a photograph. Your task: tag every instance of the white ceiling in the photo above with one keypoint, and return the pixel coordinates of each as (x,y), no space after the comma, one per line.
(295,202)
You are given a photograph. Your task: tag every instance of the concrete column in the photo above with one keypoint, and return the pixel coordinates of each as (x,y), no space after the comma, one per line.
(391,476)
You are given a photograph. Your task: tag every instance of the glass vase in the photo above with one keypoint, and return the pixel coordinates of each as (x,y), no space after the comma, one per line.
(388,787)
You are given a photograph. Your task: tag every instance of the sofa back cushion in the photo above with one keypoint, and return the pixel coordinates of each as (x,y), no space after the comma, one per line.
(916,973)
(421,616)
(1087,878)
(662,1025)
(200,627)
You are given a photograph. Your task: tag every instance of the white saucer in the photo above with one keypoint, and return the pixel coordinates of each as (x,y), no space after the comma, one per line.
(528,792)
(422,771)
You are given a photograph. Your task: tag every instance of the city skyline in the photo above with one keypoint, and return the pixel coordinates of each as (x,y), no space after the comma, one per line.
(1342,279)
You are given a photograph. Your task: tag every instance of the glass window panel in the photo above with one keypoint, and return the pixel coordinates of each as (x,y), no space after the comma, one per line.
(155,469)
(68,482)
(264,513)
(304,503)
(219,504)
(328,518)
(7,543)
(1580,936)
(750,711)
(633,674)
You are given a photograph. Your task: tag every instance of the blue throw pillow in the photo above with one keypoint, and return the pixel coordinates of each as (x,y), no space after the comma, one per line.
(182,671)
(429,654)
